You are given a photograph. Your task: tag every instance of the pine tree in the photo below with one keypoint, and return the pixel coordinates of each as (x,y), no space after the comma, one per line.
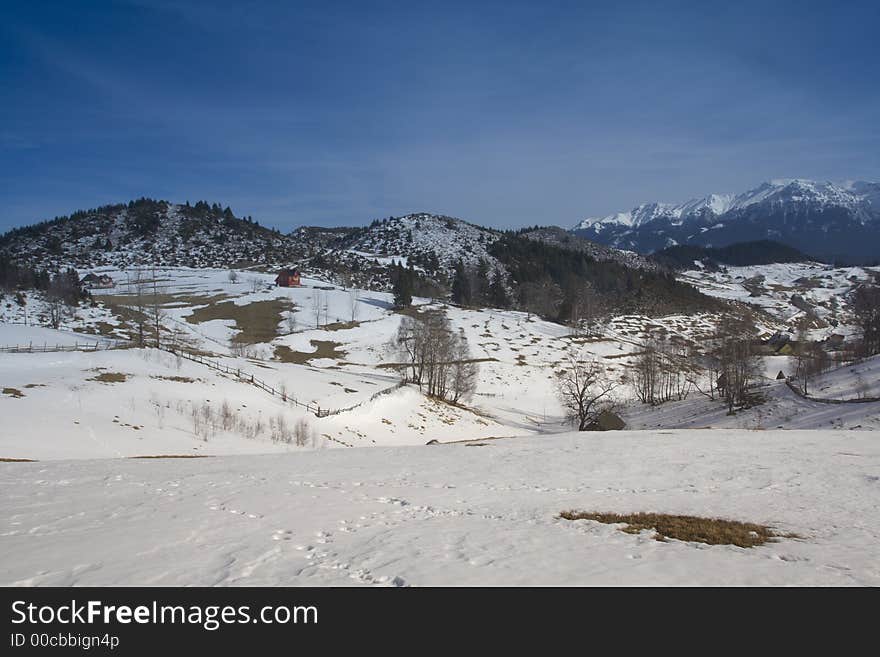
(497,293)
(403,285)
(461,288)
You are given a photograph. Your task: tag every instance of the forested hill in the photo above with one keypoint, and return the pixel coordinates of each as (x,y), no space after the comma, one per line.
(741,254)
(148,232)
(557,282)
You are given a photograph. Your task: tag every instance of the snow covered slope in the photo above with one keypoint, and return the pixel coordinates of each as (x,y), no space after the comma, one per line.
(421,235)
(451,514)
(820,218)
(790,292)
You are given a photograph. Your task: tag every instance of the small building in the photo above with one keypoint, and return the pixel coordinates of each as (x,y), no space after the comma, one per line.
(607,421)
(94,281)
(785,350)
(780,376)
(778,340)
(288,278)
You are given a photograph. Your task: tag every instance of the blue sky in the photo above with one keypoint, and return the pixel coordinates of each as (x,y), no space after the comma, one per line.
(504,113)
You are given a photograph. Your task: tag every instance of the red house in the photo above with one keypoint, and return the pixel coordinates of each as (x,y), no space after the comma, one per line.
(288,278)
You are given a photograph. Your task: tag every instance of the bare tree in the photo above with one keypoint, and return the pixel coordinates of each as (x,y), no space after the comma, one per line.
(156,312)
(662,372)
(434,357)
(584,389)
(464,372)
(255,283)
(56,311)
(354,299)
(739,362)
(302,432)
(233,276)
(291,321)
(317,306)
(866,308)
(812,360)
(140,305)
(645,375)
(703,372)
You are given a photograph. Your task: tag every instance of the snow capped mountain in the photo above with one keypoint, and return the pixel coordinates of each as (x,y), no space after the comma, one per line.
(836,221)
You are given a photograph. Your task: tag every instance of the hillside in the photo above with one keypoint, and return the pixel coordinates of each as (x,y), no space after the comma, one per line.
(564,239)
(149,232)
(781,408)
(548,271)
(833,222)
(789,292)
(741,254)
(433,242)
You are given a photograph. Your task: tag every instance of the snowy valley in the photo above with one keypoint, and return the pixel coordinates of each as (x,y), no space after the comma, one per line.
(197,423)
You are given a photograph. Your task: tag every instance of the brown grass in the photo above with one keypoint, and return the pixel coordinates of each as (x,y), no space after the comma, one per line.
(387,366)
(177,379)
(13,392)
(6,459)
(172,456)
(109,377)
(340,326)
(256,322)
(712,531)
(164,298)
(323,349)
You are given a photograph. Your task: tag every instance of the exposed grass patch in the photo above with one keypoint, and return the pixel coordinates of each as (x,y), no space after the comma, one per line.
(176,379)
(6,459)
(172,456)
(13,392)
(712,531)
(101,328)
(164,299)
(340,326)
(35,385)
(256,322)
(323,349)
(411,311)
(109,377)
(387,366)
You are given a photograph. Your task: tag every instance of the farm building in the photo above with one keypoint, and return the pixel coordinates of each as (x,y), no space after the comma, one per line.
(95,281)
(288,278)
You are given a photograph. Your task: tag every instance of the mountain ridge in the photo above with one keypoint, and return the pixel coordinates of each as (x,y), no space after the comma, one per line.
(830,220)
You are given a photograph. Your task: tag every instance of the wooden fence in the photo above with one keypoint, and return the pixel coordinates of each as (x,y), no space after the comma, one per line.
(244,377)
(251,379)
(822,400)
(103,345)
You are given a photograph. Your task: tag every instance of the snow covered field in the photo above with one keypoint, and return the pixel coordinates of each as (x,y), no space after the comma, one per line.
(269,508)
(146,402)
(451,514)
